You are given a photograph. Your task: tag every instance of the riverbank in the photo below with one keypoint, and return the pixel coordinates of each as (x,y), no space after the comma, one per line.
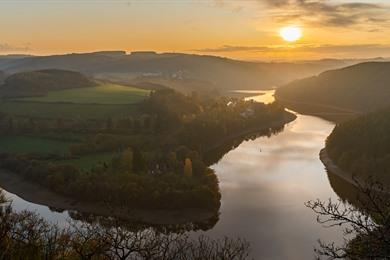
(334,169)
(348,177)
(327,112)
(288,118)
(38,194)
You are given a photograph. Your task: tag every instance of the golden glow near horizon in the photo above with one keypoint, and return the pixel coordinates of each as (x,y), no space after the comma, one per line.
(237,29)
(291,33)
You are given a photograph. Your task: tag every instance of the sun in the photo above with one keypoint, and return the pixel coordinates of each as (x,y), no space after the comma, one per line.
(291,33)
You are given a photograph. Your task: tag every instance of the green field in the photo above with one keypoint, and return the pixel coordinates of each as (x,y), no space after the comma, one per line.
(65,110)
(34,145)
(43,146)
(96,103)
(101,102)
(107,94)
(88,161)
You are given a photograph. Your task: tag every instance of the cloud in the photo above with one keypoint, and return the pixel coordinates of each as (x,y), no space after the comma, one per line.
(229,48)
(370,49)
(5,47)
(328,13)
(380,48)
(275,2)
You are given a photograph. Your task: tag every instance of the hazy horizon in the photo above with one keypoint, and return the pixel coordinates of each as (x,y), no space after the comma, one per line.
(245,30)
(129,52)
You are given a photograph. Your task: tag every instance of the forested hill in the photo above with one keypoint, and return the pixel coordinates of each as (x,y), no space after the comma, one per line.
(184,72)
(38,83)
(363,87)
(362,146)
(2,76)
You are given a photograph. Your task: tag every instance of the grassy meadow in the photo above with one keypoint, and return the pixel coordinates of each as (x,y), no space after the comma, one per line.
(91,103)
(33,145)
(105,94)
(88,161)
(45,146)
(101,102)
(64,110)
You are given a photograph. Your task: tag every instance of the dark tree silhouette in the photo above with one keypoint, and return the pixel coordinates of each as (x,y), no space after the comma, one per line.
(366,224)
(25,235)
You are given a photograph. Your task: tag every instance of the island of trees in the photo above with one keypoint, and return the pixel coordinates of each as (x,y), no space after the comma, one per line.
(148,154)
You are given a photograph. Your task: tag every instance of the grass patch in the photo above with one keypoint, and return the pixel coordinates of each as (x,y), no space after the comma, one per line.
(88,161)
(108,94)
(34,145)
(43,146)
(65,111)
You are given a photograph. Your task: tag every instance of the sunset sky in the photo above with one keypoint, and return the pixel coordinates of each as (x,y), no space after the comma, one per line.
(240,29)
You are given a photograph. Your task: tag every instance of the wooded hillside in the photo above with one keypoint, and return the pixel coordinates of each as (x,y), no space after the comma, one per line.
(362,146)
(38,83)
(363,87)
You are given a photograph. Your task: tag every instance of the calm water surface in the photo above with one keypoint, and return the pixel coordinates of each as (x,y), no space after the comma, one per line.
(264,185)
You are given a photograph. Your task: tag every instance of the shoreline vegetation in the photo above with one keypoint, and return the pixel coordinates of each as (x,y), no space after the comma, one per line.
(360,148)
(288,118)
(334,169)
(41,195)
(327,112)
(153,158)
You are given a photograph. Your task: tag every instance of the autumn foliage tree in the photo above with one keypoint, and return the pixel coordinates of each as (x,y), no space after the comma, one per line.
(188,167)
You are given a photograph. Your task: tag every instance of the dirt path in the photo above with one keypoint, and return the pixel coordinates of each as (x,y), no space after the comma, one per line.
(333,168)
(348,177)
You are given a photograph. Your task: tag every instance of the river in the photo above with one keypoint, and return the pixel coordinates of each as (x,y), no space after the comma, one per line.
(264,184)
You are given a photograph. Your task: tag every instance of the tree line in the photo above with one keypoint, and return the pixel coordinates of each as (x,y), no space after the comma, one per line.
(362,146)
